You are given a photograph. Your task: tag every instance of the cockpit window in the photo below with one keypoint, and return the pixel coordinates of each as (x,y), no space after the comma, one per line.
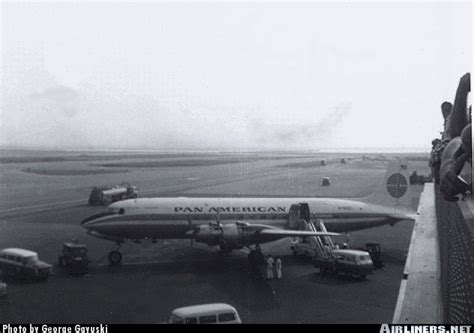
(121,211)
(97,216)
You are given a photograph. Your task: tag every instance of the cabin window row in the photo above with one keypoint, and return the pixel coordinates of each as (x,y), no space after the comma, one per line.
(11,258)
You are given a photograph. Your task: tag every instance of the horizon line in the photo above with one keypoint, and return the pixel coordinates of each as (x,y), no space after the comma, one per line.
(387,149)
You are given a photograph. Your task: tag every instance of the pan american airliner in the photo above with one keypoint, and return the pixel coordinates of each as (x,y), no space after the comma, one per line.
(233,223)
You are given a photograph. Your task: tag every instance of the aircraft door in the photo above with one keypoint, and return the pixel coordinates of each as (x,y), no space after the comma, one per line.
(304,211)
(297,213)
(294,217)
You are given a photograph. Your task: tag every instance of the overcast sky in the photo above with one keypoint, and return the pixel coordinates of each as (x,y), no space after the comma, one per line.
(230,75)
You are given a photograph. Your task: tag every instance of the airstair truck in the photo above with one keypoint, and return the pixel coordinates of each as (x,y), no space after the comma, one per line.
(106,195)
(325,255)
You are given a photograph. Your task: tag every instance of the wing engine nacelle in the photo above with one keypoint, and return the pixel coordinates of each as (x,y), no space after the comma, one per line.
(228,236)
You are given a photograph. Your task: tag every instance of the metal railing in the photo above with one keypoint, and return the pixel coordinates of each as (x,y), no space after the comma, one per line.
(456,241)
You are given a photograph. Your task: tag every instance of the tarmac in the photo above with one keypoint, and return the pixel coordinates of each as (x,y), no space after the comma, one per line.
(40,212)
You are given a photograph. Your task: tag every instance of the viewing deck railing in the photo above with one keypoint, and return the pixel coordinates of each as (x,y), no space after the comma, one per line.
(438,281)
(456,242)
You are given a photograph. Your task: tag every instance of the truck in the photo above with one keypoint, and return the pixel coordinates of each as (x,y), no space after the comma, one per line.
(326,181)
(375,252)
(74,258)
(416,179)
(354,263)
(108,194)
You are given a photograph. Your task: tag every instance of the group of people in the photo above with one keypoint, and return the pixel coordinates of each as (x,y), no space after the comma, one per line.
(273,268)
(451,156)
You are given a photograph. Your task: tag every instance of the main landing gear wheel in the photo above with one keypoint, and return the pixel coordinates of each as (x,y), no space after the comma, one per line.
(115,258)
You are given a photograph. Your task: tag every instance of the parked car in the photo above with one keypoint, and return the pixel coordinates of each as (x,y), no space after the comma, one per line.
(23,264)
(214,313)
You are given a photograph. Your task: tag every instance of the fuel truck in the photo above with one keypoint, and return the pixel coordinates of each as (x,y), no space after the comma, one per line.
(108,194)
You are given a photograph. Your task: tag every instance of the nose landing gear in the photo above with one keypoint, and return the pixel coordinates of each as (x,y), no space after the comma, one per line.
(115,257)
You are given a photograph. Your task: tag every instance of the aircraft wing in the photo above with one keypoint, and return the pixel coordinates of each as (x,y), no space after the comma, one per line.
(215,234)
(273,234)
(295,233)
(266,230)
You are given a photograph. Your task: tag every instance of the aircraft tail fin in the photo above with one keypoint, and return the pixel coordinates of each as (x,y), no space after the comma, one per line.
(395,189)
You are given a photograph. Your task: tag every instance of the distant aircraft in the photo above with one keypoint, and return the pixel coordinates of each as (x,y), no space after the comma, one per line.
(234,223)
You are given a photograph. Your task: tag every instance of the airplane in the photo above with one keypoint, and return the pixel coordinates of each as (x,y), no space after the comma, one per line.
(234,223)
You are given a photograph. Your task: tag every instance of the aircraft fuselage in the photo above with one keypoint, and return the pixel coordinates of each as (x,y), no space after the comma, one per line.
(161,218)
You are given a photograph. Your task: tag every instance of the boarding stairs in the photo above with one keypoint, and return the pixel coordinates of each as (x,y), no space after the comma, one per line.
(322,245)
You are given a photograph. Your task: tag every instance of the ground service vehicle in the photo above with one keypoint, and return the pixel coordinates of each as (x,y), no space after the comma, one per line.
(214,313)
(326,181)
(107,195)
(303,247)
(375,254)
(23,264)
(416,179)
(345,261)
(74,258)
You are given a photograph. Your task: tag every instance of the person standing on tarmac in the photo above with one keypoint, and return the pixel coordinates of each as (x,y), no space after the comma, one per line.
(270,268)
(278,267)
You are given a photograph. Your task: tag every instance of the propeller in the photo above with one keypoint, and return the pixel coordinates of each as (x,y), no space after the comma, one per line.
(193,233)
(218,217)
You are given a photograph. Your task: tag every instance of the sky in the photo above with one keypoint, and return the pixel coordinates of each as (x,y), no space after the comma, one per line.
(230,76)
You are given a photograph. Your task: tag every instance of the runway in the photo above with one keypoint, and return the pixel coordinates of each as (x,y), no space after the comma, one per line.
(41,211)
